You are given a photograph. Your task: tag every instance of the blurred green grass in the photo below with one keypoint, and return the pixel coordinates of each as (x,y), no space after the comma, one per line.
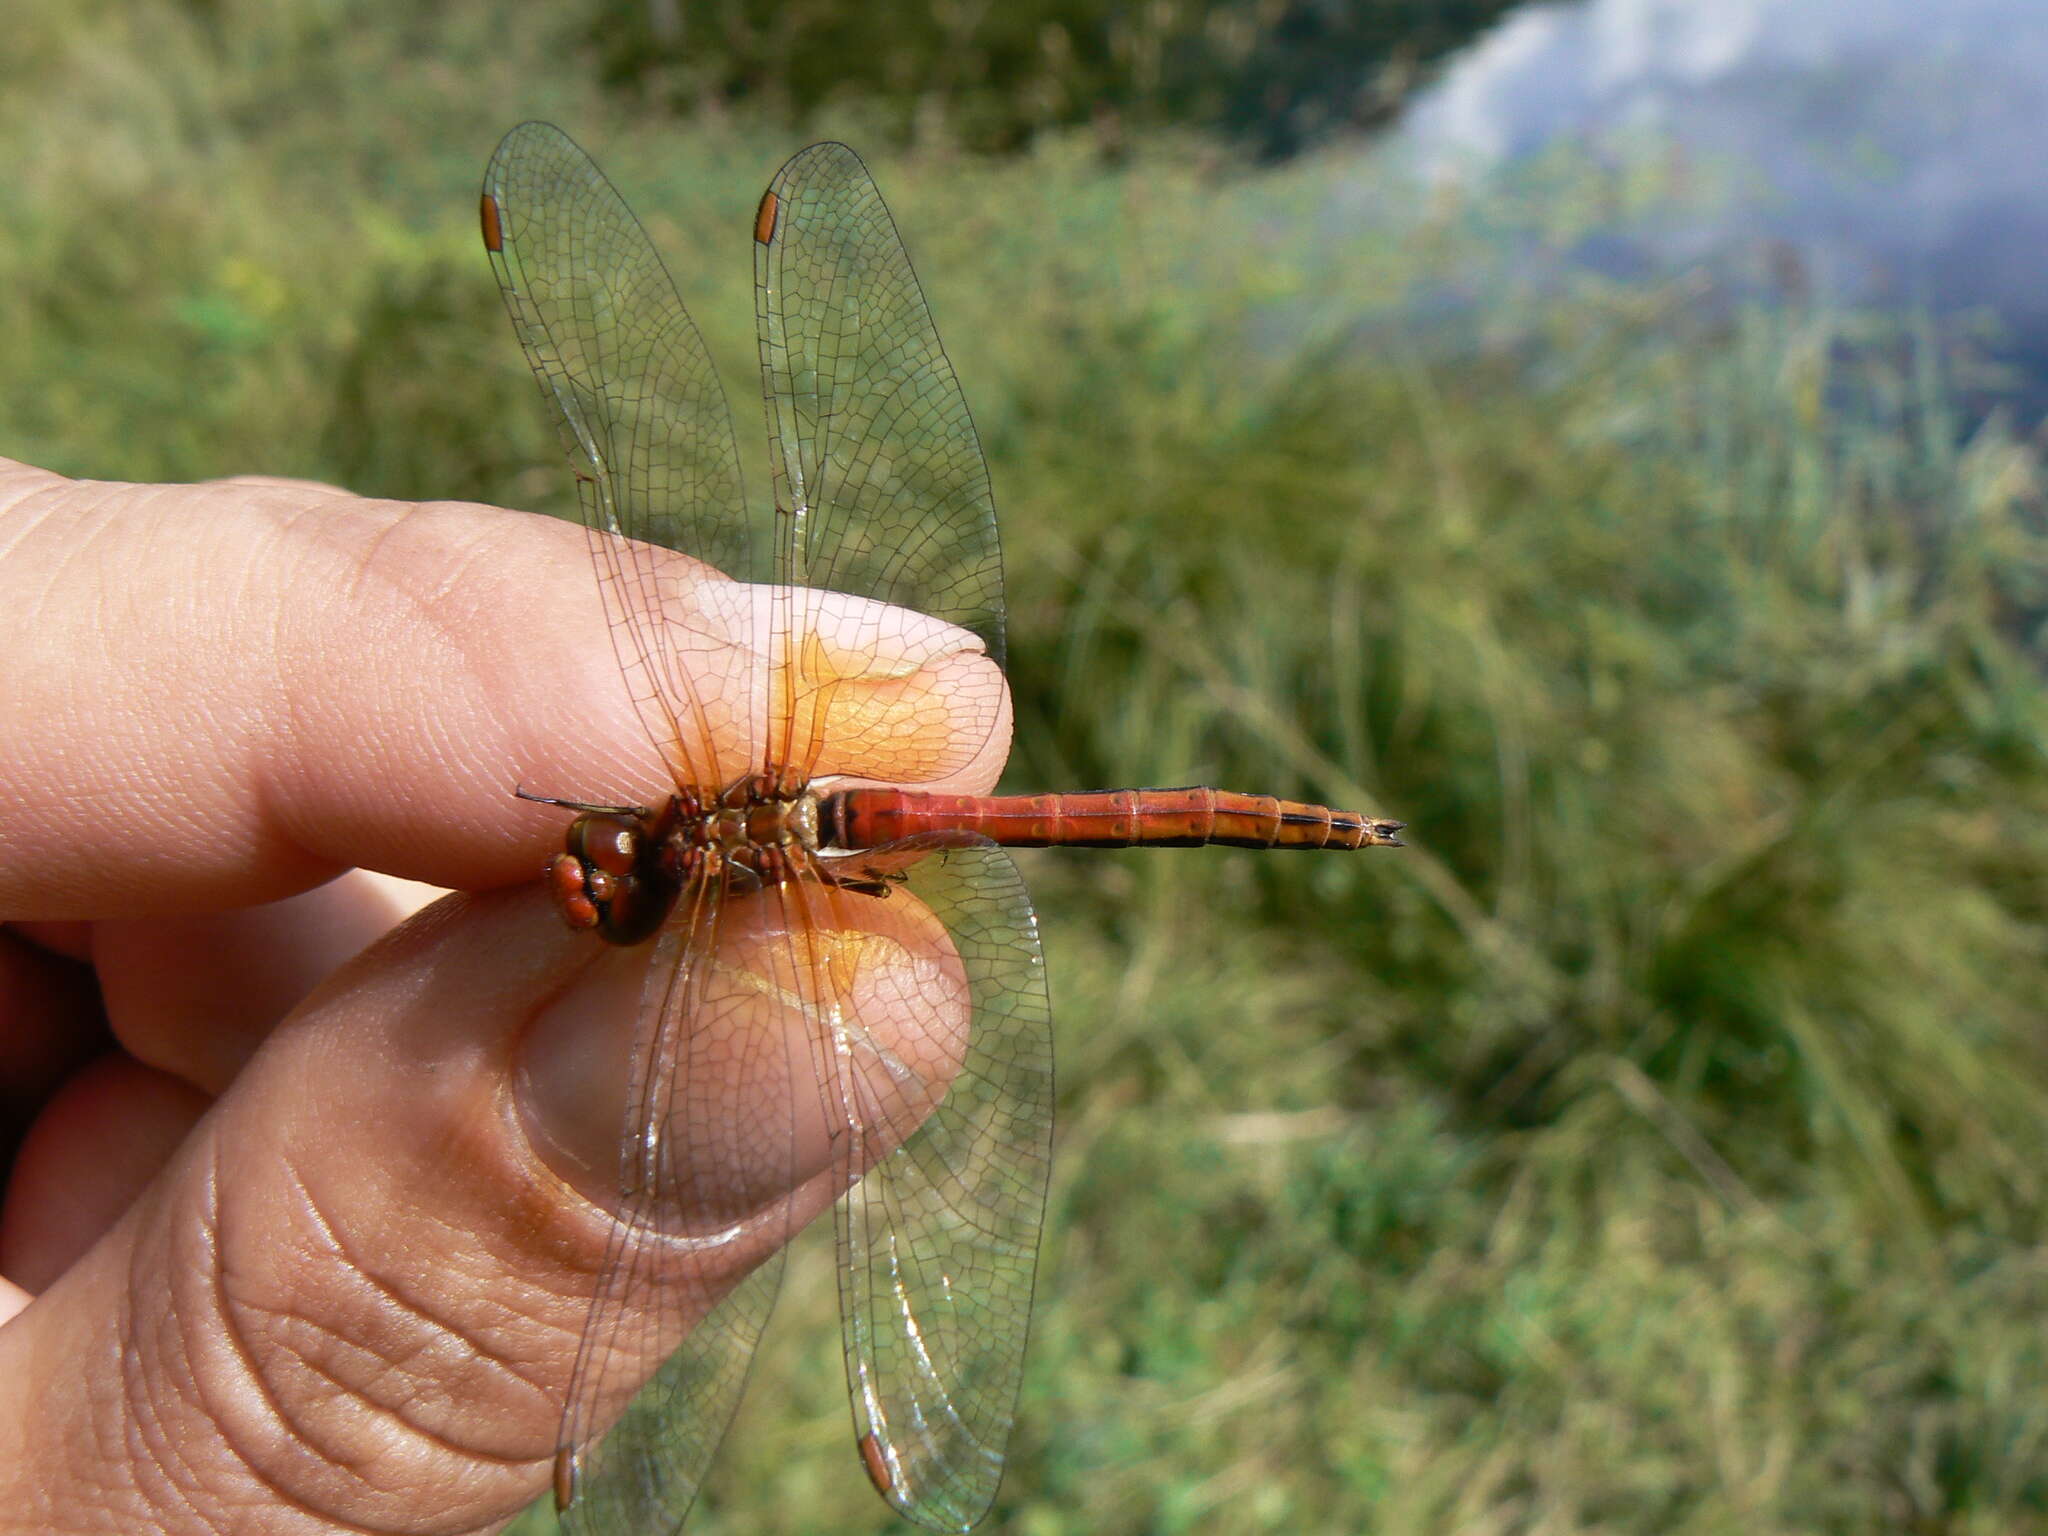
(1657,1144)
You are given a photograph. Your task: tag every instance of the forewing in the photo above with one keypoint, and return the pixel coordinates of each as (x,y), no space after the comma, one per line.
(939,1241)
(642,416)
(641,1474)
(880,488)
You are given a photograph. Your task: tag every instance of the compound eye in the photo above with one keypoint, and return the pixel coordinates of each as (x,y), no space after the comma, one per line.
(606,843)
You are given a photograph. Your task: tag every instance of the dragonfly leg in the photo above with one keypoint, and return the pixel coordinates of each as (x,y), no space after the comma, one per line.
(866,882)
(637,812)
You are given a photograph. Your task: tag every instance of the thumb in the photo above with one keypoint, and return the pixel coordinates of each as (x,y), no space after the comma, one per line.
(353,1297)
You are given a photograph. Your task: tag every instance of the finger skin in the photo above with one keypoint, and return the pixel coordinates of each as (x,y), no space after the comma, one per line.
(98,1145)
(187,1001)
(50,1026)
(225,694)
(194,996)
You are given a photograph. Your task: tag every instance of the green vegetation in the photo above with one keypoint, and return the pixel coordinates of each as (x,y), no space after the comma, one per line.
(1273,74)
(1658,1144)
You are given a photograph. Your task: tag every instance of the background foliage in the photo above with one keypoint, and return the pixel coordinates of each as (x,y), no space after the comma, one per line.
(1271,74)
(1657,1144)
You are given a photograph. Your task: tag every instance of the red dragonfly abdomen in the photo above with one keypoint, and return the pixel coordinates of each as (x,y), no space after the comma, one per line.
(1099,818)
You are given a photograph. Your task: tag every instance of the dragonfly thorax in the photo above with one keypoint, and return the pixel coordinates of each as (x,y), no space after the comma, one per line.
(758,813)
(622,867)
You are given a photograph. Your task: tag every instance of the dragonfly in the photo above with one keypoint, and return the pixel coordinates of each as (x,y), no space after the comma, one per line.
(801,914)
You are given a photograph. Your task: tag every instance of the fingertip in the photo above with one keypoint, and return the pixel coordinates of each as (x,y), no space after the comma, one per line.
(902,697)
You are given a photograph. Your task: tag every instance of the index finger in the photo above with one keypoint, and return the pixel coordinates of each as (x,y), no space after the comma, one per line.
(221,694)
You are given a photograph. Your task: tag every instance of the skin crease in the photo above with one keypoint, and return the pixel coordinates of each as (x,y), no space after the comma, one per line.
(297,1236)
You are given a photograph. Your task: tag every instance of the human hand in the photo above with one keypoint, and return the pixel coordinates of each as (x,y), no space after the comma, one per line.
(306,1237)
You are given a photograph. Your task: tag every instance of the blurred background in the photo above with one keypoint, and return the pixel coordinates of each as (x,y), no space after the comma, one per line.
(1604,435)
